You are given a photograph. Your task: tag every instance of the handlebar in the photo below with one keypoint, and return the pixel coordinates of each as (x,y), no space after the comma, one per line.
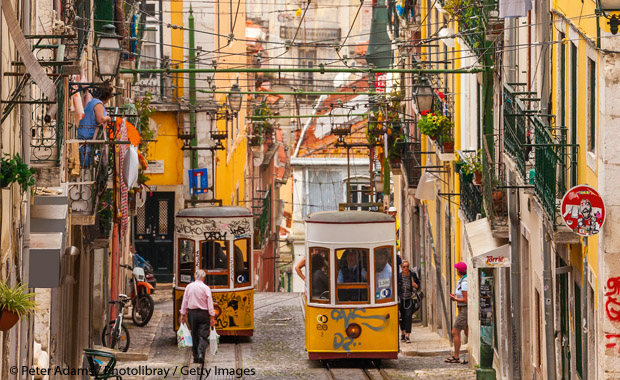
(126,266)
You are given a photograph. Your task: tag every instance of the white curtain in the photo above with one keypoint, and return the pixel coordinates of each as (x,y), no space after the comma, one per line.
(514,8)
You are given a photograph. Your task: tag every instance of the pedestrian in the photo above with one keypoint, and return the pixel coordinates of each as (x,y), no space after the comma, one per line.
(383,273)
(407,281)
(94,116)
(460,297)
(197,307)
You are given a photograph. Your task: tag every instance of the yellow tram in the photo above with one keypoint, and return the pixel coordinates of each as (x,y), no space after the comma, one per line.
(219,241)
(350,297)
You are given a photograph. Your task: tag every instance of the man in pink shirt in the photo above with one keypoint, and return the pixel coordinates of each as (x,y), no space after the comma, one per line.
(197,307)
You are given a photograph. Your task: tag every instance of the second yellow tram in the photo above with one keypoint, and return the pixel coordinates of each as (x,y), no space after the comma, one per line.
(219,241)
(351,299)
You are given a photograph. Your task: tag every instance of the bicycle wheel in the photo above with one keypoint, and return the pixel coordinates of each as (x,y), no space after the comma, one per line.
(111,339)
(122,342)
(142,311)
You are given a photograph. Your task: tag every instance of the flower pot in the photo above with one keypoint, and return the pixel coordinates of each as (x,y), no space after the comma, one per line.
(8,319)
(478,178)
(448,147)
(467,178)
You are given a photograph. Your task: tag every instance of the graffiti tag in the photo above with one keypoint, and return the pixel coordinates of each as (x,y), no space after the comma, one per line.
(612,304)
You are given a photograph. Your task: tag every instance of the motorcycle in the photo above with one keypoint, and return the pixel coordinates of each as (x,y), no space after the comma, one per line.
(139,261)
(143,305)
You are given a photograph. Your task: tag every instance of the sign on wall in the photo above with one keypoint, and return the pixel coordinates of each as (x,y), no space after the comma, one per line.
(198,181)
(583,210)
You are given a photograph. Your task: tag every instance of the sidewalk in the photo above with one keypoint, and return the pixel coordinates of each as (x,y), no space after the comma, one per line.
(425,342)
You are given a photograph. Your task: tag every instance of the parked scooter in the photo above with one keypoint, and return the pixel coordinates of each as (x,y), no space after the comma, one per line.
(139,261)
(143,305)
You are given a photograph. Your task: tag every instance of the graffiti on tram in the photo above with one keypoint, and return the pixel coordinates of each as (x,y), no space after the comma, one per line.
(236,310)
(214,229)
(348,316)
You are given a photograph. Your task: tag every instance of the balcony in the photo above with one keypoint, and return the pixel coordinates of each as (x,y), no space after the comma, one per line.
(479,26)
(262,219)
(537,147)
(494,189)
(471,200)
(412,163)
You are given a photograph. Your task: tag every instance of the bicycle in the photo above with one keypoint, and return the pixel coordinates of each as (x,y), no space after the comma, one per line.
(115,334)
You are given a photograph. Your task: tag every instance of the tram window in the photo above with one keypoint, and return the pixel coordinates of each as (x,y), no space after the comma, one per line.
(214,260)
(384,276)
(319,267)
(242,262)
(352,279)
(187,249)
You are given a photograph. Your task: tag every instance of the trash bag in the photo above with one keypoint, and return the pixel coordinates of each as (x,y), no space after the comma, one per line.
(214,339)
(184,337)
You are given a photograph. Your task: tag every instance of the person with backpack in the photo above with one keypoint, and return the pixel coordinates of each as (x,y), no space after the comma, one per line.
(407,282)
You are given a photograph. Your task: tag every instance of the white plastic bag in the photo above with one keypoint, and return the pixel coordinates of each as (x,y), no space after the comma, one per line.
(130,167)
(214,339)
(184,337)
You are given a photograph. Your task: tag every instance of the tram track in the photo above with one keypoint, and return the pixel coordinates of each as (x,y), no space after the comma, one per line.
(297,295)
(375,373)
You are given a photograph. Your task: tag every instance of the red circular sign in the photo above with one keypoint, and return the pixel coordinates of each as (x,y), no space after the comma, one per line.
(583,210)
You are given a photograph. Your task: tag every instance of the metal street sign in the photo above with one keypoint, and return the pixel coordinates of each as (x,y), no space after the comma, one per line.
(583,210)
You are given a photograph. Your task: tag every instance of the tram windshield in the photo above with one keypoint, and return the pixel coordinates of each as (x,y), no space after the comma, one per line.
(352,278)
(187,260)
(319,278)
(242,262)
(214,260)
(384,276)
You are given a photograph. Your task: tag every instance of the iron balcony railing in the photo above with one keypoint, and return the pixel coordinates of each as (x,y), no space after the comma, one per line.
(412,163)
(493,184)
(471,200)
(262,219)
(88,169)
(477,20)
(538,148)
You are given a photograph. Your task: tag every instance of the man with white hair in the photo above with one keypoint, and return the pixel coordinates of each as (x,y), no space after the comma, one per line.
(197,307)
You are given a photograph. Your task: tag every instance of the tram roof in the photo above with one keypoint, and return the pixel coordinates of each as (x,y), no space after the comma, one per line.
(345,217)
(215,212)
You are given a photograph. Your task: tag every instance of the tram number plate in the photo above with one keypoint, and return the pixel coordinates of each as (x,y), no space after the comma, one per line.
(321,326)
(321,318)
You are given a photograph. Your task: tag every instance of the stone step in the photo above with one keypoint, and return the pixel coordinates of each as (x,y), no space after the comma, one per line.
(48,218)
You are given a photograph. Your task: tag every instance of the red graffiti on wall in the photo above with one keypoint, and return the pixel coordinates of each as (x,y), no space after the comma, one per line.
(612,305)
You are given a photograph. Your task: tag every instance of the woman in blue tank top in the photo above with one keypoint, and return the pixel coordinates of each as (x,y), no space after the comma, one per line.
(94,116)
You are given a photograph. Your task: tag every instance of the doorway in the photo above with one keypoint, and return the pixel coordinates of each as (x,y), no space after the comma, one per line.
(154,233)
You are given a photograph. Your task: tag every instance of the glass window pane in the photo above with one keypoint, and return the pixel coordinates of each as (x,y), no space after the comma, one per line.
(187,249)
(352,279)
(383,273)
(242,262)
(319,269)
(214,256)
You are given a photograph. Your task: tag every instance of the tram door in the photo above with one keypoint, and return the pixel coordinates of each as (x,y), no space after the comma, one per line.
(154,233)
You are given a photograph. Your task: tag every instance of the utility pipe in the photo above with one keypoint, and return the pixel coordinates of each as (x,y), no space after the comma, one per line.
(320,70)
(293,92)
(548,306)
(583,327)
(302,116)
(193,155)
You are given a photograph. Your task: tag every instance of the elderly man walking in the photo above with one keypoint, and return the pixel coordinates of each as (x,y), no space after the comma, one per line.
(197,307)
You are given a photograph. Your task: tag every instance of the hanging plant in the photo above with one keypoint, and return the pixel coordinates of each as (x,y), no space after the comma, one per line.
(431,125)
(15,303)
(144,111)
(14,170)
(262,124)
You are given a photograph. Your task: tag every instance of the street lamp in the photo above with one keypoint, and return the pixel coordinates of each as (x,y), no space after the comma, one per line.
(606,6)
(235,99)
(424,95)
(108,53)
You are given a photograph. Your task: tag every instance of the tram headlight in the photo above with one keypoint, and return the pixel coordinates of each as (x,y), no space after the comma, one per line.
(354,330)
(218,311)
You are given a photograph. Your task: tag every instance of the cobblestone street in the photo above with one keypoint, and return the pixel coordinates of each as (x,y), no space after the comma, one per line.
(276,351)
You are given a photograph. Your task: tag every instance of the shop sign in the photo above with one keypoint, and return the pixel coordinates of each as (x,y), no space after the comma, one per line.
(583,210)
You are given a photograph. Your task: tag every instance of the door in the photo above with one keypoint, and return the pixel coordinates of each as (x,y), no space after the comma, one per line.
(562,289)
(154,233)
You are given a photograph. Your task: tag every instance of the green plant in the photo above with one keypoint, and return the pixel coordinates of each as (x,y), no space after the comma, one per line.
(144,111)
(262,123)
(13,169)
(453,7)
(431,124)
(16,299)
(473,163)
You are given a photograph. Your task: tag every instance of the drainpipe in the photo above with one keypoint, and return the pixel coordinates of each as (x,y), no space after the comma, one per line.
(515,280)
(161,49)
(192,90)
(584,313)
(548,299)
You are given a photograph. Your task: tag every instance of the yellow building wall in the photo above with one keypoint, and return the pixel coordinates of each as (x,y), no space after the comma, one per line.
(167,148)
(176,35)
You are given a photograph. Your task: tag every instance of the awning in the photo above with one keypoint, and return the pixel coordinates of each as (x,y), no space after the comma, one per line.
(486,250)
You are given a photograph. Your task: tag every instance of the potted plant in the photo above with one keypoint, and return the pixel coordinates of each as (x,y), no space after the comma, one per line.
(447,142)
(472,168)
(15,303)
(14,170)
(431,125)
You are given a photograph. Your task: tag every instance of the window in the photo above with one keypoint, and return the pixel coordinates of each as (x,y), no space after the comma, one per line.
(186,252)
(214,260)
(384,275)
(324,191)
(591,106)
(242,258)
(360,193)
(319,274)
(352,277)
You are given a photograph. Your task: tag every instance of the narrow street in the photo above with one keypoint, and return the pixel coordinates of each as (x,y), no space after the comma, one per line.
(276,351)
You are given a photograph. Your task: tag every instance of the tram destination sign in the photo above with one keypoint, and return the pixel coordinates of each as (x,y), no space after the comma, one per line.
(583,210)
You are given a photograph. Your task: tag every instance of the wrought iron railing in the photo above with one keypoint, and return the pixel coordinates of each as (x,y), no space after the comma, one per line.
(262,221)
(471,200)
(412,163)
(493,184)
(516,134)
(86,188)
(474,24)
